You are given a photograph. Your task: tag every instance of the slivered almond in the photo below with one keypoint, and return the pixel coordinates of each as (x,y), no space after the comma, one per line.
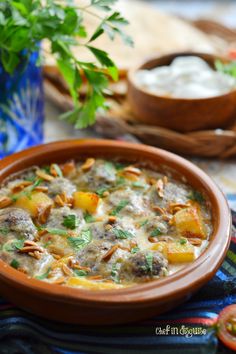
(107,256)
(68,168)
(175,207)
(94,277)
(152,181)
(58,200)
(112,219)
(28,249)
(44,214)
(165,180)
(59,281)
(153,239)
(166,238)
(45,176)
(37,255)
(5,202)
(124,248)
(195,241)
(88,164)
(79,267)
(20,186)
(56,250)
(41,189)
(66,270)
(56,256)
(158,209)
(133,170)
(106,194)
(160,188)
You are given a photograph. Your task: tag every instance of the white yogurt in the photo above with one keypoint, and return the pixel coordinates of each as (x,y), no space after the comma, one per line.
(185,77)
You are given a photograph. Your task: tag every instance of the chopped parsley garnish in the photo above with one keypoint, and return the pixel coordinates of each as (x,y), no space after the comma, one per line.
(80,242)
(197,196)
(101,190)
(57,169)
(119,166)
(122,234)
(80,272)
(143,223)
(115,273)
(109,167)
(4,230)
(14,245)
(183,241)
(135,250)
(15,264)
(149,260)
(30,178)
(55,231)
(138,185)
(47,244)
(44,275)
(27,191)
(120,181)
(155,232)
(46,169)
(88,217)
(71,221)
(119,207)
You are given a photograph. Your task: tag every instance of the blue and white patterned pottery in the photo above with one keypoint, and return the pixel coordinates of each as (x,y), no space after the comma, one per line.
(21,107)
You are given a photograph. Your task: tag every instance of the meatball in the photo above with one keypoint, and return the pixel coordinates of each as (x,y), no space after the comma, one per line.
(18,221)
(59,185)
(57,217)
(91,256)
(143,264)
(135,203)
(101,174)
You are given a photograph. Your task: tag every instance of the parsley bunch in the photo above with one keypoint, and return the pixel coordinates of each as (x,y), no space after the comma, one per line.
(25,23)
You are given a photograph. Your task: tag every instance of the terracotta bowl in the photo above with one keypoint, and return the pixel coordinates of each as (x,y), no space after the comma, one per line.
(124,305)
(180,114)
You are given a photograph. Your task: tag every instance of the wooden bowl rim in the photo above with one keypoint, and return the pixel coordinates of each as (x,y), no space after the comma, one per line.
(148,94)
(191,276)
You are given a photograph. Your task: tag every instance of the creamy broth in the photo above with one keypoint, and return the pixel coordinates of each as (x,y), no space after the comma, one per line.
(100,224)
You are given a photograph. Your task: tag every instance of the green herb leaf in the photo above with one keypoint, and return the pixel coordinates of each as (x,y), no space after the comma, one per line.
(88,217)
(197,196)
(80,273)
(149,260)
(183,241)
(143,222)
(80,242)
(138,185)
(57,169)
(15,264)
(119,207)
(44,275)
(4,230)
(156,232)
(13,246)
(101,190)
(135,250)
(71,221)
(55,231)
(115,273)
(122,234)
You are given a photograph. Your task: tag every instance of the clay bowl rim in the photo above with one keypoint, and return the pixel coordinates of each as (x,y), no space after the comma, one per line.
(208,262)
(172,56)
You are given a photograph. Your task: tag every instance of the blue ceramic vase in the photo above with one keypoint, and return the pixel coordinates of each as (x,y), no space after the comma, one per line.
(21,107)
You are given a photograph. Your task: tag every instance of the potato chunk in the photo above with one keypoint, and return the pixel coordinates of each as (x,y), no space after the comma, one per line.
(180,253)
(86,201)
(33,203)
(189,223)
(161,247)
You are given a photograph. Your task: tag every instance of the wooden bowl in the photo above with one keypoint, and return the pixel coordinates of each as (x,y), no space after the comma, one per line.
(73,305)
(180,114)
